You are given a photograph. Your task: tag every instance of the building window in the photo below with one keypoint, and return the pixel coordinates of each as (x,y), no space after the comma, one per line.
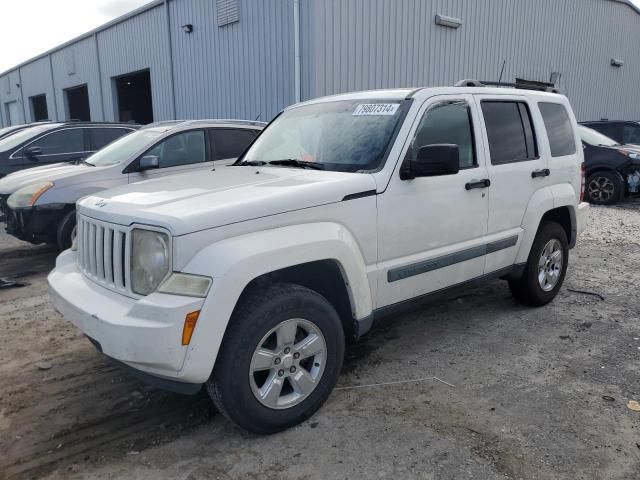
(227,12)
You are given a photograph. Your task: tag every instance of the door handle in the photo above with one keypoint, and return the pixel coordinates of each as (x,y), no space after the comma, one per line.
(484,183)
(545,172)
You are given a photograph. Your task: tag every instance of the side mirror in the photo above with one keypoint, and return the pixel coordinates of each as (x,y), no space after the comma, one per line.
(149,162)
(431,161)
(32,153)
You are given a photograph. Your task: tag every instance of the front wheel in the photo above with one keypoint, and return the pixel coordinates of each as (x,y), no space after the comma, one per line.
(67,230)
(279,360)
(545,269)
(604,188)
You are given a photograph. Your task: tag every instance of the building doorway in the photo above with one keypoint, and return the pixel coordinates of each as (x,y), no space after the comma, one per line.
(77,103)
(39,111)
(11,112)
(133,93)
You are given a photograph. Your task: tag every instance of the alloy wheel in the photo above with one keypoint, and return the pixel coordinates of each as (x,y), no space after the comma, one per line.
(550,265)
(287,364)
(601,189)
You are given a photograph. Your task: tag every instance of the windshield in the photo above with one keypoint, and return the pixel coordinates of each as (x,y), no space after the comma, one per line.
(347,136)
(17,138)
(590,136)
(123,148)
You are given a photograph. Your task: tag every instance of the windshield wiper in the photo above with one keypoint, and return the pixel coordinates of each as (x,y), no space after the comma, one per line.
(251,163)
(84,162)
(293,162)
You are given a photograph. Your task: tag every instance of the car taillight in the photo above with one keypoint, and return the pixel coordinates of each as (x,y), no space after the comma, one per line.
(582,181)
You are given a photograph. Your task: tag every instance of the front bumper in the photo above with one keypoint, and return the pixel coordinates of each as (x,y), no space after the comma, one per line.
(144,334)
(35,225)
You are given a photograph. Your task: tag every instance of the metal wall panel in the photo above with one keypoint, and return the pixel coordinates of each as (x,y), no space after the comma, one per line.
(240,70)
(73,66)
(10,92)
(36,80)
(360,44)
(139,43)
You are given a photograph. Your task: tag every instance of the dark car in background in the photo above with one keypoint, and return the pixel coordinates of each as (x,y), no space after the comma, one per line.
(612,169)
(55,142)
(622,131)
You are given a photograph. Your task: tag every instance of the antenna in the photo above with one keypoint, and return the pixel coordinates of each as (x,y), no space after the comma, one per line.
(502,71)
(259,115)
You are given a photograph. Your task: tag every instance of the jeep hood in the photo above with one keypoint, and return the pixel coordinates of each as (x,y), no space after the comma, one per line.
(197,201)
(56,173)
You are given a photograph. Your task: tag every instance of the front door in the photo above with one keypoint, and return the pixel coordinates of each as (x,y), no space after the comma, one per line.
(432,229)
(59,146)
(180,153)
(517,169)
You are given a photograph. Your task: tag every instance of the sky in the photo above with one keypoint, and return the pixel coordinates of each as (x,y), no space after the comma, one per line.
(31,27)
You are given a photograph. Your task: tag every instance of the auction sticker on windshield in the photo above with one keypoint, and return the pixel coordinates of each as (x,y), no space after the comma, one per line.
(376,109)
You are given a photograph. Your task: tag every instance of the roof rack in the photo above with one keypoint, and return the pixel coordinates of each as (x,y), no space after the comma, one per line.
(520,84)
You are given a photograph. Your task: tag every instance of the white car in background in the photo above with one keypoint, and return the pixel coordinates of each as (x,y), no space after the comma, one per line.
(39,203)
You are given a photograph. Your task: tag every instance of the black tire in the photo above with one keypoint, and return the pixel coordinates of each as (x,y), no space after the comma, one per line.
(65,230)
(527,289)
(230,386)
(604,188)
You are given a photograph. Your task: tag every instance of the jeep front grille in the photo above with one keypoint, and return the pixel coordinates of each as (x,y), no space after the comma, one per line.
(104,252)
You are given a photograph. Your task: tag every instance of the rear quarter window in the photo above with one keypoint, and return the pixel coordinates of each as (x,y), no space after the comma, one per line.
(559,129)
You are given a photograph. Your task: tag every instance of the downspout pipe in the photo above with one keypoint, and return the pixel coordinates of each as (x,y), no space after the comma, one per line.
(296,49)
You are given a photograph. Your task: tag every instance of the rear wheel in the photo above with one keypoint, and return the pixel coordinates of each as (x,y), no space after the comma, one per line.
(279,360)
(604,188)
(545,269)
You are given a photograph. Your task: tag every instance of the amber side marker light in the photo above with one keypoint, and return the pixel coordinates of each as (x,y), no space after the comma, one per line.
(189,326)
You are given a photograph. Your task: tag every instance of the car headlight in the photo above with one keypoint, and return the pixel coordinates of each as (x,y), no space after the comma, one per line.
(186,284)
(634,156)
(149,260)
(27,196)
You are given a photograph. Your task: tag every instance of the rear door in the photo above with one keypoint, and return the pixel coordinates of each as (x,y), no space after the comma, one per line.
(516,168)
(229,143)
(181,152)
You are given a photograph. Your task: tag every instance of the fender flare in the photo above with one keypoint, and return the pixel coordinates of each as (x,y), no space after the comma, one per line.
(543,201)
(234,262)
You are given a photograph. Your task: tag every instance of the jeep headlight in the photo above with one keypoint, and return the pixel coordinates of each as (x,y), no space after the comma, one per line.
(149,260)
(27,196)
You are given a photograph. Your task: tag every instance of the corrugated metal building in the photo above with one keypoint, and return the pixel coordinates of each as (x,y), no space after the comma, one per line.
(250,58)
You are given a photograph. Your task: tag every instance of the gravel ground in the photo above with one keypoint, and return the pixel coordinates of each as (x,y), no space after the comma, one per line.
(530,394)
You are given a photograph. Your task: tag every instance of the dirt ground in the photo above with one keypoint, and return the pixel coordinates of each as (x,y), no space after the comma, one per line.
(533,393)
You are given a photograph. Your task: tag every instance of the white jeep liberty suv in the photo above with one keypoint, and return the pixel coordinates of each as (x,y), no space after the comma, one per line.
(248,279)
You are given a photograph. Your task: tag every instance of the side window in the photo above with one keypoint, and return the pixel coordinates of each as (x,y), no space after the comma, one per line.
(70,140)
(103,136)
(631,134)
(448,123)
(559,129)
(510,131)
(180,149)
(230,142)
